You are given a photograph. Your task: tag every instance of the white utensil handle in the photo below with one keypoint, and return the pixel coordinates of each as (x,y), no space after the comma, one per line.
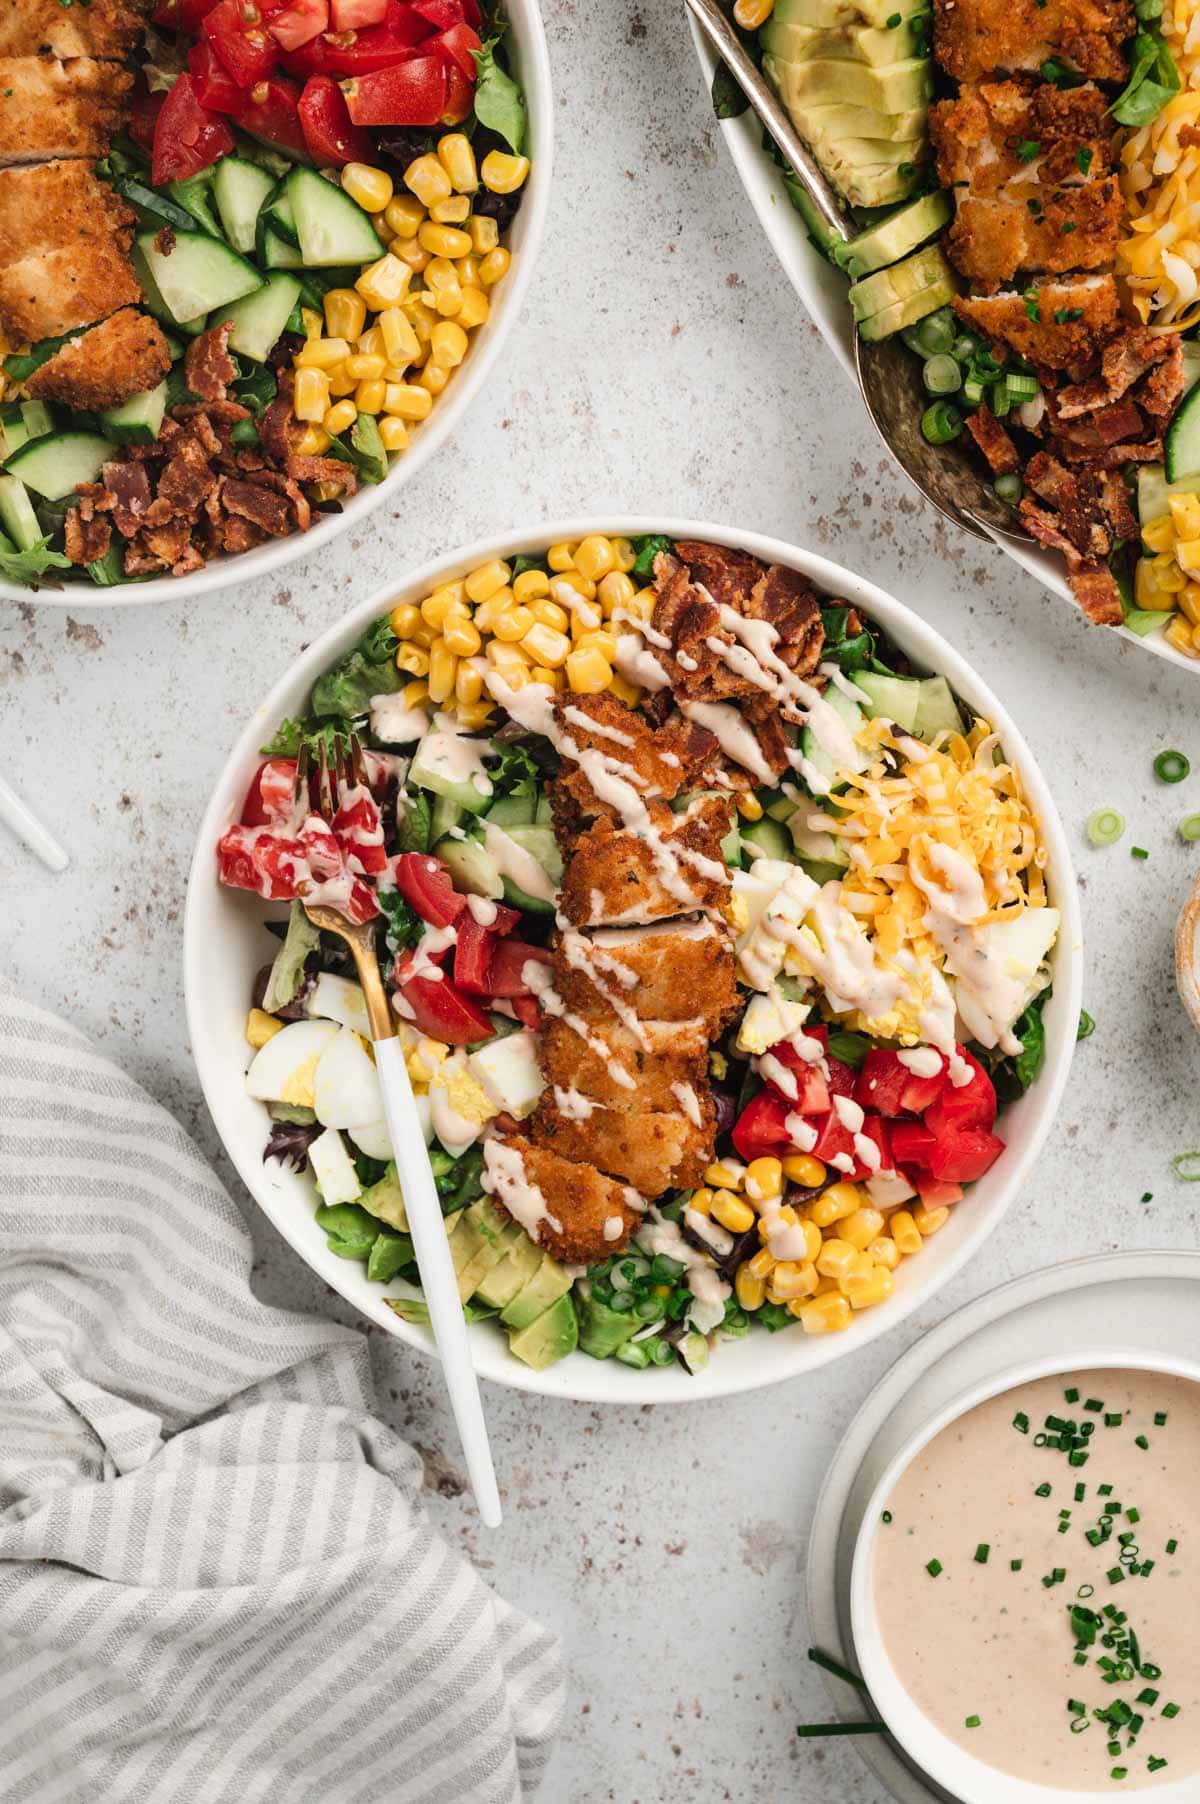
(25,824)
(438,1278)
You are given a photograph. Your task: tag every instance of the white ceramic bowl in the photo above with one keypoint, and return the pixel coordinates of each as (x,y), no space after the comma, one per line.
(962,1774)
(532,63)
(225,943)
(822,289)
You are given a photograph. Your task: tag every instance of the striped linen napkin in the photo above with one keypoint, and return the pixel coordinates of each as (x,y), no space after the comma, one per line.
(217,1582)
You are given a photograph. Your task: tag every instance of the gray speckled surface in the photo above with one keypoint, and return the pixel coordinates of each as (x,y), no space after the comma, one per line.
(663,363)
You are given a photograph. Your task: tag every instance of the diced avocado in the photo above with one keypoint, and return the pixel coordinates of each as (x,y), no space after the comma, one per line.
(832,81)
(853,41)
(498,1287)
(385,1201)
(821,13)
(550,1280)
(890,239)
(465,1240)
(513,811)
(471,866)
(389,1254)
(16,514)
(137,421)
(497,1238)
(896,698)
(907,312)
(768,837)
(938,711)
(553,1335)
(882,290)
(601,1329)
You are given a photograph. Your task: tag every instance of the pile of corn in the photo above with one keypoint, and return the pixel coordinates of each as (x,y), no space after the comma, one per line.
(1168,579)
(557,626)
(382,347)
(1159,255)
(852,1247)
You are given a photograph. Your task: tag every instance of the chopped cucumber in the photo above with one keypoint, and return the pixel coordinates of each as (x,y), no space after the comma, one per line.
(195,197)
(13,434)
(471,866)
(239,189)
(895,698)
(152,207)
(36,418)
(938,711)
(17,515)
(451,764)
(55,466)
(200,273)
(275,252)
(513,811)
(825,769)
(260,318)
(137,421)
(767,839)
(1182,442)
(331,228)
(1154,492)
(1191,363)
(540,843)
(814,847)
(446,813)
(276,215)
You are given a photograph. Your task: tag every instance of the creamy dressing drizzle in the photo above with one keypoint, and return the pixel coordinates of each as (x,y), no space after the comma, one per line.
(708,1288)
(504,1176)
(922,1061)
(582,956)
(689,1102)
(482,910)
(957,903)
(537,978)
(573,1105)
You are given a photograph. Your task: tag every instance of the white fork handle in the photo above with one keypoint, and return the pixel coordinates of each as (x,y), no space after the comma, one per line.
(438,1278)
(26,825)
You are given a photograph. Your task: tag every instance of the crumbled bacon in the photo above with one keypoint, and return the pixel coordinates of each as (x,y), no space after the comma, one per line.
(1002,455)
(253,501)
(1086,514)
(208,368)
(86,539)
(324,469)
(129,486)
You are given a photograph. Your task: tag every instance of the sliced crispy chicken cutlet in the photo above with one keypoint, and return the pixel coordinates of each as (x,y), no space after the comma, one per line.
(50,108)
(54,206)
(672,971)
(617,877)
(975,38)
(609,1065)
(657,762)
(1072,315)
(58,291)
(695,586)
(649,1149)
(572,1210)
(1062,132)
(102,28)
(125,355)
(1074,228)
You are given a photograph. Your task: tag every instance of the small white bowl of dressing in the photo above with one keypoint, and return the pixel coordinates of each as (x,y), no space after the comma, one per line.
(969,1657)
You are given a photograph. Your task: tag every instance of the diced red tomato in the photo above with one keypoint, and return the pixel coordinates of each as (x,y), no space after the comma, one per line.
(270,112)
(526,1010)
(270,794)
(812,1092)
(460,95)
(459,44)
(961,1154)
(835,1141)
(328,132)
(970,1105)
(376,48)
(919,1092)
(933,1193)
(356,15)
(181,15)
(297,22)
(761,1128)
(473,956)
(912,1142)
(281,868)
(247,49)
(358,828)
(427,885)
(504,919)
(875,1128)
(215,87)
(441,1011)
(509,960)
(143,117)
(440,13)
(881,1082)
(187,137)
(410,93)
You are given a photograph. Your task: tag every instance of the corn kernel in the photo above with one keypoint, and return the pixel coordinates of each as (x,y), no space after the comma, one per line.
(835,1258)
(549,613)
(594,557)
(513,624)
(905,1233)
(631,695)
(448,344)
(547,646)
(861,1228)
(867,1292)
(393,434)
(835,1204)
(370,187)
(415,694)
(928,1221)
(726,1174)
(461,638)
(444,240)
(485,233)
(1159,535)
(370,342)
(412,658)
(732,1212)
(312,322)
(569,587)
(403,216)
(531,585)
(385,282)
(503,174)
(453,212)
(400,342)
(1179,634)
(790,1280)
(485,581)
(885,1252)
(322,353)
(1172,571)
(424,635)
(1185,517)
(749,806)
(614,591)
(701,1200)
(311,398)
(407,401)
(494,267)
(468,683)
(751,14)
(749,1290)
(404,620)
(803,1169)
(369,397)
(588,672)
(1146,590)
(644,603)
(433,377)
(473,309)
(541,673)
(414,256)
(561,557)
(442,670)
(504,657)
(340,417)
(363,367)
(764,1178)
(828,1314)
(261,1027)
(1188,602)
(473,715)
(426,178)
(340,383)
(313,441)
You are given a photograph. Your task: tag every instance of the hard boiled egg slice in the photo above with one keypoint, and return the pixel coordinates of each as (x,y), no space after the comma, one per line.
(333,1168)
(373,1139)
(346,1084)
(337,999)
(284,1069)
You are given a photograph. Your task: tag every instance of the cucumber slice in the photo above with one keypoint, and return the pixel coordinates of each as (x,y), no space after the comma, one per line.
(36,418)
(152,207)
(1154,492)
(450,764)
(276,215)
(259,318)
(199,274)
(472,867)
(445,814)
(513,811)
(331,227)
(275,252)
(239,189)
(895,698)
(938,712)
(195,197)
(17,515)
(812,848)
(137,421)
(540,843)
(824,768)
(1182,443)
(767,838)
(1191,363)
(54,467)
(13,433)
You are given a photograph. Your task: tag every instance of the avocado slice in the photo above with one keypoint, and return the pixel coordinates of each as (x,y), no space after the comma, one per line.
(832,81)
(890,239)
(549,1337)
(499,1236)
(793,43)
(601,1329)
(833,123)
(385,1202)
(821,13)
(465,1242)
(875,293)
(871,172)
(549,1282)
(907,312)
(498,1287)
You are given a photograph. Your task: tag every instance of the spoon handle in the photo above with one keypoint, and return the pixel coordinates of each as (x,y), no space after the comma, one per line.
(774,115)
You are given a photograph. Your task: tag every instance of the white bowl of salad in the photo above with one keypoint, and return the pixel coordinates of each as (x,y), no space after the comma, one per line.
(731,932)
(1024,215)
(264,258)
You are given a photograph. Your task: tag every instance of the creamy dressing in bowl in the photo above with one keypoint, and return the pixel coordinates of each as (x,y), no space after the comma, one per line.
(1043,1532)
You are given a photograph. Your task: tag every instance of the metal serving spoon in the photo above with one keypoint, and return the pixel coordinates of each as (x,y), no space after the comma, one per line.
(889,376)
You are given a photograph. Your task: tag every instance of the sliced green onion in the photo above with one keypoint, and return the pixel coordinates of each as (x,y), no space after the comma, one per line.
(1189,829)
(972,391)
(1001,400)
(964,346)
(934,1568)
(1009,487)
(937,332)
(1021,388)
(810,1730)
(1171,767)
(1139,852)
(941,423)
(1086,1027)
(982,1553)
(1187,1167)
(828,1664)
(942,375)
(1105,827)
(972,1722)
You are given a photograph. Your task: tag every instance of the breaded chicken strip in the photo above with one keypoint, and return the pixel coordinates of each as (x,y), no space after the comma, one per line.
(607,1064)
(573,1211)
(604,736)
(102,28)
(990,240)
(706,661)
(976,38)
(59,109)
(1056,324)
(125,355)
(650,1149)
(50,206)
(673,866)
(1007,132)
(55,292)
(672,971)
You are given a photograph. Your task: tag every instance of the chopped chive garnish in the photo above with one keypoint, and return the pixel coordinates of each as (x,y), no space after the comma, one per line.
(1155,1764)
(1119,1772)
(1042,1491)
(1172,1545)
(1139,852)
(982,1552)
(1080,1492)
(1094,1404)
(1104,1490)
(809,1730)
(1021,1422)
(886,1517)
(1015,1565)
(1114,1575)
(1139,1440)
(1170,1710)
(829,1664)
(1072,1396)
(1113,1419)
(1133,1515)
(1160,1418)
(934,1567)
(1149,1696)
(972,1722)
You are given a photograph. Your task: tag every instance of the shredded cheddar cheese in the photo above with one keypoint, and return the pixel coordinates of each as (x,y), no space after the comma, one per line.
(1160,180)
